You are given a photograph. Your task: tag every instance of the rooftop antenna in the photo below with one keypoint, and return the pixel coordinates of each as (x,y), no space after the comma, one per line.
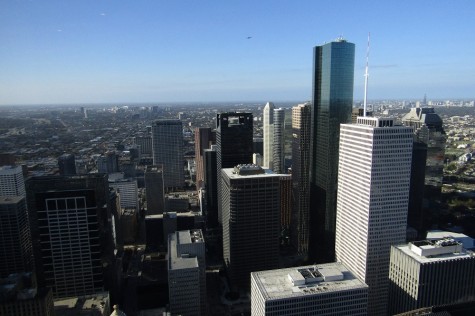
(366,75)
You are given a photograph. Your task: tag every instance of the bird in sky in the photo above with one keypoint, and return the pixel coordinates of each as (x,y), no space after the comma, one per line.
(249,37)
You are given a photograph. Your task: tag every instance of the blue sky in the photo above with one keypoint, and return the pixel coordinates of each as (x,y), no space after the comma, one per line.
(82,51)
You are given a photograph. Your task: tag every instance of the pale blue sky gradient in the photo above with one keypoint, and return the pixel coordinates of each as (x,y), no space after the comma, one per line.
(83,51)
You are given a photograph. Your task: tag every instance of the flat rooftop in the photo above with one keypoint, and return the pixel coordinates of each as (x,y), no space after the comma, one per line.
(78,305)
(176,262)
(306,280)
(232,174)
(426,251)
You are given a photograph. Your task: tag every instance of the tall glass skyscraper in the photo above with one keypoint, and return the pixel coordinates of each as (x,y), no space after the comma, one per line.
(167,149)
(332,102)
(233,144)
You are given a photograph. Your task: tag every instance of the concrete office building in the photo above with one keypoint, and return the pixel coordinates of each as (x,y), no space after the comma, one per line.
(154,190)
(20,296)
(167,148)
(211,182)
(430,273)
(278,143)
(16,251)
(251,221)
(204,137)
(127,189)
(145,144)
(233,144)
(373,193)
(324,289)
(332,102)
(299,228)
(12,182)
(268,130)
(187,273)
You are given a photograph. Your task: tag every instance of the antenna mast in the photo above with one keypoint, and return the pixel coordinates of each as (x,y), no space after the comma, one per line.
(366,75)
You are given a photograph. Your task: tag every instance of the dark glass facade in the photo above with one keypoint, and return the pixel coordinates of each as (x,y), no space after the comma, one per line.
(331,106)
(234,143)
(428,167)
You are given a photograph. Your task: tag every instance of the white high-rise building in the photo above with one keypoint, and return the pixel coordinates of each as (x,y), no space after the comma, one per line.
(11,181)
(324,289)
(187,273)
(278,146)
(373,194)
(268,128)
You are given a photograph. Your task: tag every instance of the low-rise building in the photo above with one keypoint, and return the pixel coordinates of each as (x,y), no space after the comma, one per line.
(324,289)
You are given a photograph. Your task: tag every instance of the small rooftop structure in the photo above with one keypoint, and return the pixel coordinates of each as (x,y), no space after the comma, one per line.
(300,281)
(427,248)
(248,169)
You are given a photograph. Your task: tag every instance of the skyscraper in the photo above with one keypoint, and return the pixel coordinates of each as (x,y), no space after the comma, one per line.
(373,193)
(16,251)
(299,229)
(70,220)
(331,106)
(67,165)
(187,273)
(268,130)
(167,147)
(11,181)
(211,182)
(278,143)
(203,139)
(428,162)
(154,190)
(233,144)
(251,221)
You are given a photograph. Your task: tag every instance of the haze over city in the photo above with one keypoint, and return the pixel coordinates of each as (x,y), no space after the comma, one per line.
(56,52)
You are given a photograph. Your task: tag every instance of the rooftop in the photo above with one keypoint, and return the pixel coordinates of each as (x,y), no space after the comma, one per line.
(93,303)
(183,261)
(427,251)
(307,280)
(10,199)
(233,174)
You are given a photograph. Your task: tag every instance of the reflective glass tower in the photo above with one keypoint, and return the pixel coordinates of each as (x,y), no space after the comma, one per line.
(331,106)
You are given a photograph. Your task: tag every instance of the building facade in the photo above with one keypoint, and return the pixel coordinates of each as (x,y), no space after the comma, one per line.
(233,144)
(251,221)
(154,190)
(70,219)
(167,148)
(15,249)
(325,289)
(332,102)
(373,193)
(12,182)
(278,143)
(67,165)
(203,140)
(187,273)
(268,131)
(430,273)
(428,166)
(299,228)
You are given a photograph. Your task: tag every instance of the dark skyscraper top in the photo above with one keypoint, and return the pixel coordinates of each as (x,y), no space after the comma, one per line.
(333,77)
(233,143)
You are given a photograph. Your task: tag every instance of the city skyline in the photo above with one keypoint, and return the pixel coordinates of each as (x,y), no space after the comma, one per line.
(88,52)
